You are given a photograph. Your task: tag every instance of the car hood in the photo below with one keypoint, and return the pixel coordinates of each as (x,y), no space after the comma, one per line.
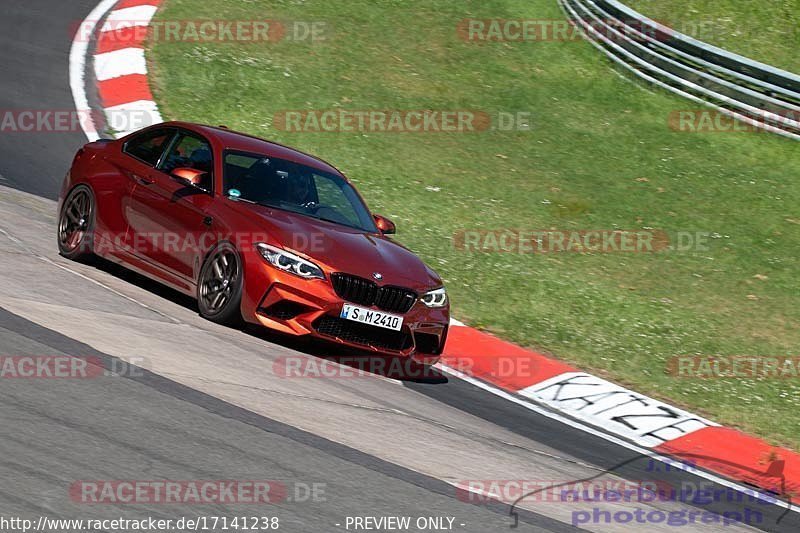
(343,249)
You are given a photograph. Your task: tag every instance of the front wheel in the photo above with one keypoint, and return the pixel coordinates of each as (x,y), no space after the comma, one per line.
(76,224)
(219,287)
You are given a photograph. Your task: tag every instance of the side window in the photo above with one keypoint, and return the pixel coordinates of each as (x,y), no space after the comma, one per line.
(254,178)
(191,152)
(238,168)
(149,145)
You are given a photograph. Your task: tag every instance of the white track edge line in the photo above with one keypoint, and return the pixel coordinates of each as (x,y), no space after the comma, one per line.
(49,261)
(77,65)
(620,442)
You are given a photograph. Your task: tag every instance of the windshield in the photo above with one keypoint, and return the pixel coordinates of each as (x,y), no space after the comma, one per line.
(282,184)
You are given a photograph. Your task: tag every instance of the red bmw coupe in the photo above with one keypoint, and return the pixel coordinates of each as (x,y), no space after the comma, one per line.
(253,230)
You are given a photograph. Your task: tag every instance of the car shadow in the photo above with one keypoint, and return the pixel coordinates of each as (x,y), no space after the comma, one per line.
(359,361)
(134,278)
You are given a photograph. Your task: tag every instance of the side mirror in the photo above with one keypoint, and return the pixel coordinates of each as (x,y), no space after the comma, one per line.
(190,176)
(385,225)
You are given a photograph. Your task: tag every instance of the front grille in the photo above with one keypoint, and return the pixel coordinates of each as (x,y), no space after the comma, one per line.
(362,334)
(354,289)
(395,299)
(364,292)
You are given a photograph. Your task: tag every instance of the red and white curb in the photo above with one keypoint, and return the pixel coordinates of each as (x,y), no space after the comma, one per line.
(118,64)
(604,408)
(539,383)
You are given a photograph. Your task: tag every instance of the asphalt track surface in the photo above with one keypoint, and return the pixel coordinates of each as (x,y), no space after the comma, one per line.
(200,409)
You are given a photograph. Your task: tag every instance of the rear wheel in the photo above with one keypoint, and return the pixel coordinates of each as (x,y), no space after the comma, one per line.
(219,287)
(76,224)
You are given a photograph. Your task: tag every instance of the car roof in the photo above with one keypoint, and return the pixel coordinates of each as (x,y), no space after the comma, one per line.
(234,140)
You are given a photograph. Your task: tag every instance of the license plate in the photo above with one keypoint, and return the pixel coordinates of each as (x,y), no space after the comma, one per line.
(371,317)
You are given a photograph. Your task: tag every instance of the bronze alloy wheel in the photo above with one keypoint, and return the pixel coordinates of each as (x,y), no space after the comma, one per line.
(219,288)
(76,224)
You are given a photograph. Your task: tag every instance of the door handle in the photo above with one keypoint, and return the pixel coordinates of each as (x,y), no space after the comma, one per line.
(208,221)
(143,181)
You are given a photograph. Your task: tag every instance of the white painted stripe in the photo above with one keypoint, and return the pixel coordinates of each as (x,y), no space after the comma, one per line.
(77,65)
(600,403)
(142,105)
(636,417)
(677,465)
(126,118)
(129,17)
(119,63)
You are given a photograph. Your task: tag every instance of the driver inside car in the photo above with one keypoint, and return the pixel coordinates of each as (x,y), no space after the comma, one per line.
(299,190)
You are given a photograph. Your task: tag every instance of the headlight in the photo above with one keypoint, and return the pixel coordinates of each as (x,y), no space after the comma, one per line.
(289,262)
(435,298)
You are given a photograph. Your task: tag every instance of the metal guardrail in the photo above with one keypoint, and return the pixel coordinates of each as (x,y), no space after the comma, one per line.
(752,92)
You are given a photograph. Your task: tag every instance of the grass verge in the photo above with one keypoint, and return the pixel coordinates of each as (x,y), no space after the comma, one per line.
(764,30)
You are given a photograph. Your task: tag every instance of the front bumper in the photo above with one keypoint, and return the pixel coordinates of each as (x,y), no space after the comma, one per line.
(297,306)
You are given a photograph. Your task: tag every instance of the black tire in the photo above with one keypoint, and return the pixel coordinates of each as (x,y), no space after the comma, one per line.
(220,284)
(76,222)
